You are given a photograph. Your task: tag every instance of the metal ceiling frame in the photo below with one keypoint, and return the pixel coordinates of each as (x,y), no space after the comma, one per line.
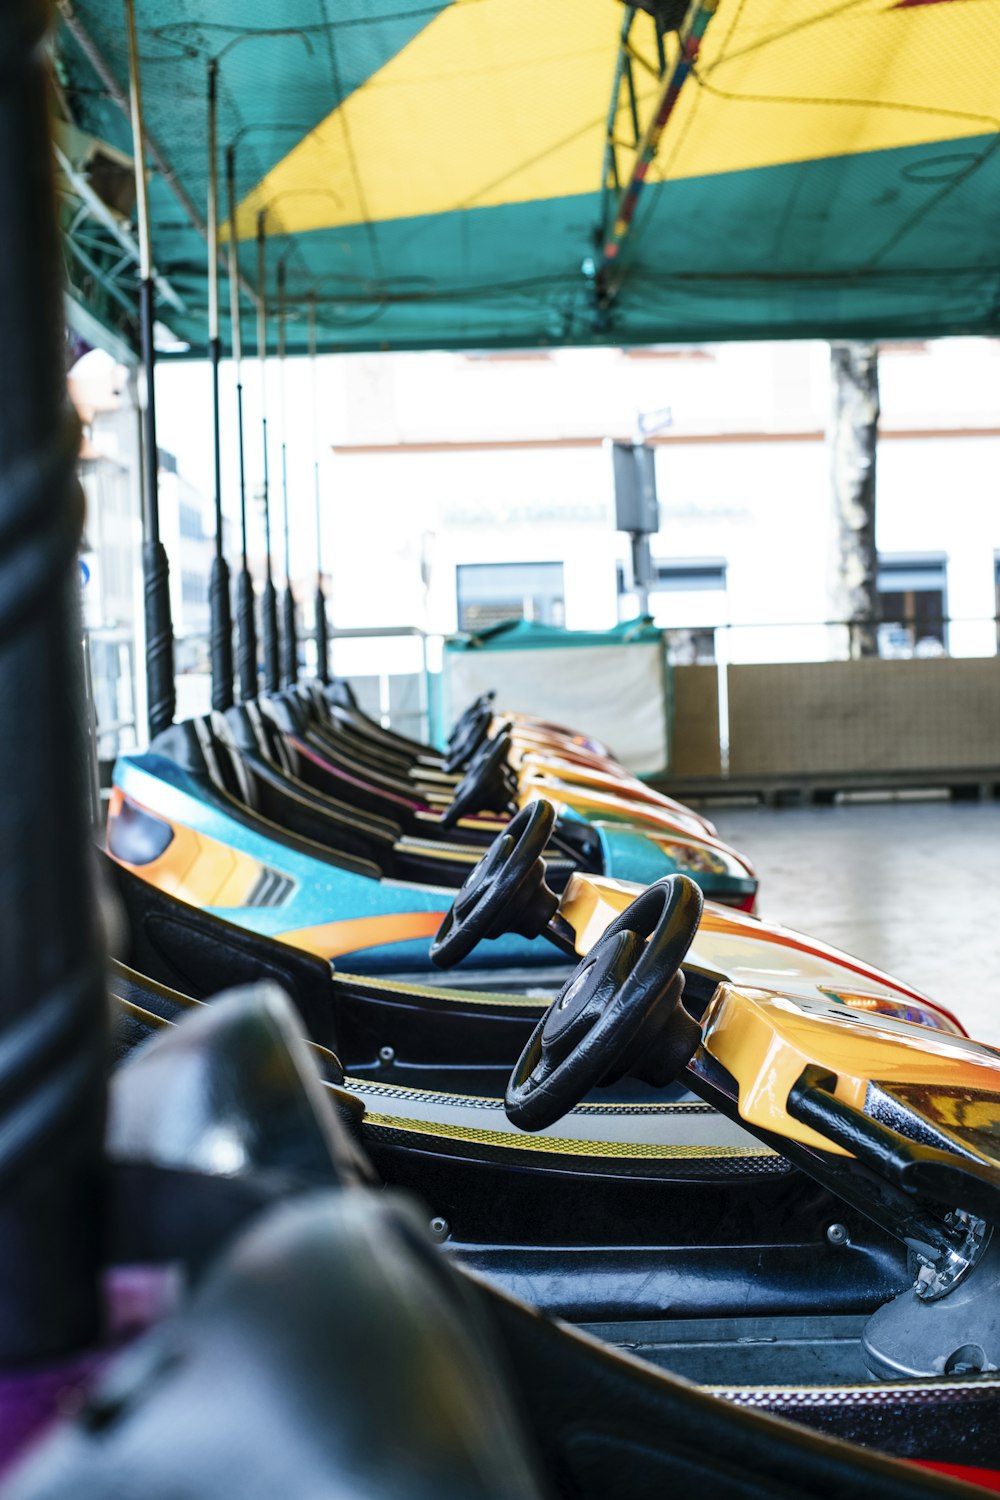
(104,246)
(100,282)
(160,160)
(620,193)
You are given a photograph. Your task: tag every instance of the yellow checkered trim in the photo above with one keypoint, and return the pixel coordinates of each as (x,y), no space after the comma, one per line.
(557,1145)
(874,1389)
(453,853)
(459,997)
(490,1101)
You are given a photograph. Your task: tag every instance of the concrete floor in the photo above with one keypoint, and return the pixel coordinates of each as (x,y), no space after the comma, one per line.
(913,887)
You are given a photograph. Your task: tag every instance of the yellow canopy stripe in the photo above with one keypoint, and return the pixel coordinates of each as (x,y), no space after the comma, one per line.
(504,101)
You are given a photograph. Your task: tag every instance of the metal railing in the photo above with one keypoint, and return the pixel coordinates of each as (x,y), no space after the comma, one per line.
(894,637)
(111,664)
(399,699)
(394,668)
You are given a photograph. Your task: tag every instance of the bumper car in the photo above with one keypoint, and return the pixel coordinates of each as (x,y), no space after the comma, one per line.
(802,1224)
(200,817)
(536,747)
(463,1037)
(593,1221)
(247,815)
(502,777)
(317,1341)
(335,705)
(901,1122)
(579,777)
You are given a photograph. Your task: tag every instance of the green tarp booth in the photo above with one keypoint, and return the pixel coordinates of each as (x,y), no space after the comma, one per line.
(616,683)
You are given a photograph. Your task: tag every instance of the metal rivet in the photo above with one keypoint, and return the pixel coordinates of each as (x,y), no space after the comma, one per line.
(837,1234)
(440,1228)
(387,1054)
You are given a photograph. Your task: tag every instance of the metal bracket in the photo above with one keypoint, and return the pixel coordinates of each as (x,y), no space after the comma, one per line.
(620,194)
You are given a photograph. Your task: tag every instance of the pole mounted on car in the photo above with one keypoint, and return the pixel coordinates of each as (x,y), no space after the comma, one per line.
(220,609)
(322,639)
(620,207)
(160,689)
(269,599)
(289,642)
(53,1022)
(246,628)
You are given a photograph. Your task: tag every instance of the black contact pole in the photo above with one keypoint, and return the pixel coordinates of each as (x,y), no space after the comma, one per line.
(220,607)
(246,629)
(53,1007)
(269,601)
(160,692)
(322,638)
(289,633)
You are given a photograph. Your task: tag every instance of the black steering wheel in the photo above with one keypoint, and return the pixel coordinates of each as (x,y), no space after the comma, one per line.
(506,892)
(486,785)
(474,709)
(468,735)
(619,1013)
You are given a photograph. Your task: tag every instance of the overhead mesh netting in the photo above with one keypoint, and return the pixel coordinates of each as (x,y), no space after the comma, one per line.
(432,173)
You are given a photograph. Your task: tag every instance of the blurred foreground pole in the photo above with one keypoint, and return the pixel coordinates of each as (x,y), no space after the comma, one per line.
(52,1004)
(160,688)
(853,443)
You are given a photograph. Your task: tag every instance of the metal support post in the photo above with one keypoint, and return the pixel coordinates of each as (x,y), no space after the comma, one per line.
(289,633)
(246,628)
(269,601)
(161,696)
(220,607)
(322,636)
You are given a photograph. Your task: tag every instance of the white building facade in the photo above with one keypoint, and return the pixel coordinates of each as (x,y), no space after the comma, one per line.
(454,475)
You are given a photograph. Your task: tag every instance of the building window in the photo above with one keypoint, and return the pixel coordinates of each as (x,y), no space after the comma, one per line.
(697,576)
(491,592)
(913,604)
(688,599)
(190,522)
(194,588)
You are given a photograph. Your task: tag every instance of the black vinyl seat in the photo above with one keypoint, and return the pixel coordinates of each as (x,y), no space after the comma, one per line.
(328,1353)
(324,764)
(323,1320)
(271,731)
(194,747)
(233,1091)
(228,1094)
(293,804)
(336,703)
(391,769)
(260,795)
(261,743)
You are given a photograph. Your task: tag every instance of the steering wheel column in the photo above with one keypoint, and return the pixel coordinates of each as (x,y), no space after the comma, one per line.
(620,1013)
(487,786)
(506,892)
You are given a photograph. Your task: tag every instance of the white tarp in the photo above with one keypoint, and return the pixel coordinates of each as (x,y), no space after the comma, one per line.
(616,693)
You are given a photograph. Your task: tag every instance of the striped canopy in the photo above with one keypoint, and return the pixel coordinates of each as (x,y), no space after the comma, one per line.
(491,173)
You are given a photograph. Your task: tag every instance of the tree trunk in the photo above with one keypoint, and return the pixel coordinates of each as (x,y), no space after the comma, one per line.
(853,440)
